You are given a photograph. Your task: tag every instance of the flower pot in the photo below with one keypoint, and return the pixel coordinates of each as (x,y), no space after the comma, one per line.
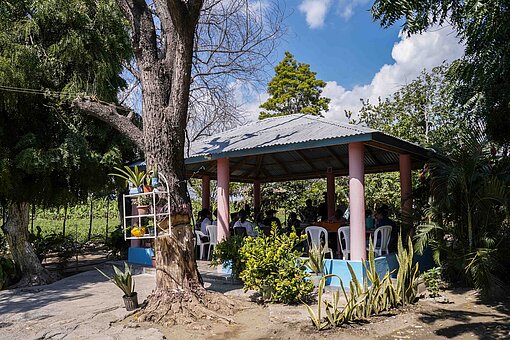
(154,262)
(131,302)
(142,209)
(135,190)
(316,278)
(147,188)
(154,182)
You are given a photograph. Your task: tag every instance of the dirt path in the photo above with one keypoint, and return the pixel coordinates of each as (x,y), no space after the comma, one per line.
(86,306)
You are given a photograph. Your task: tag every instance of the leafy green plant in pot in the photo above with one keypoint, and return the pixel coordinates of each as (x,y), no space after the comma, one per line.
(142,204)
(124,280)
(315,263)
(134,178)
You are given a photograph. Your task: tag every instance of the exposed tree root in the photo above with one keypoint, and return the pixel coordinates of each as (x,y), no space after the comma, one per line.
(187,307)
(40,278)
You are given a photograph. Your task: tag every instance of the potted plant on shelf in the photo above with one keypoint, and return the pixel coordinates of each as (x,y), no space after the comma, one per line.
(138,231)
(142,204)
(134,178)
(124,280)
(316,264)
(154,178)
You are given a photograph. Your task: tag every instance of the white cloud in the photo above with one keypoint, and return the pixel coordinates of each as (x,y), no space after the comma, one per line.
(346,7)
(411,55)
(315,11)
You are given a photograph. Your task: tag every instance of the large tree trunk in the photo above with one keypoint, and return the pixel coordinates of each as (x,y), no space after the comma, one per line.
(165,76)
(15,228)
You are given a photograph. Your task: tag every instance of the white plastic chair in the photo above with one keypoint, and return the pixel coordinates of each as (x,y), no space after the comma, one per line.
(382,236)
(314,234)
(344,241)
(212,230)
(200,243)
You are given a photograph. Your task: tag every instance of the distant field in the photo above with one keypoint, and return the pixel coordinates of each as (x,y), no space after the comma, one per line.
(76,226)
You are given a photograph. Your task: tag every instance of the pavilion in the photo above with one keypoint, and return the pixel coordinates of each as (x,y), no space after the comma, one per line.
(302,146)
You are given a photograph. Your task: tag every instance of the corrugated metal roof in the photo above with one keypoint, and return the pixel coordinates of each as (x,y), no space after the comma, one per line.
(278,131)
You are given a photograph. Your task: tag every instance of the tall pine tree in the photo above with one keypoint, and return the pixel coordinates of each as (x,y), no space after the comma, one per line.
(294,89)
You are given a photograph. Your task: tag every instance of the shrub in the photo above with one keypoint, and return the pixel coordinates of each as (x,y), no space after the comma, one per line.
(7,272)
(227,253)
(432,278)
(274,268)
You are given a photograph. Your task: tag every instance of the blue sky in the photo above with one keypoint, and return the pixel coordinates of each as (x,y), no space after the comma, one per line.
(354,55)
(350,50)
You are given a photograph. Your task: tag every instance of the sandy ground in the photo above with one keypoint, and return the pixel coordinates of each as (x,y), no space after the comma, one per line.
(87,306)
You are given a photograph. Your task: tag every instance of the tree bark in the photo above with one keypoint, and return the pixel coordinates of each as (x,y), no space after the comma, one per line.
(15,228)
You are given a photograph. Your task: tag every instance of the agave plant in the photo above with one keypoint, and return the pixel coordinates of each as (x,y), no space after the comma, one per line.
(315,260)
(123,280)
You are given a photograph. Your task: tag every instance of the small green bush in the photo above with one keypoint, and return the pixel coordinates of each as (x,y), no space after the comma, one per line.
(274,268)
(226,253)
(432,278)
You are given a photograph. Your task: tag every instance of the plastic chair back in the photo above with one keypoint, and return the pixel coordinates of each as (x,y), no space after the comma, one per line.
(344,239)
(315,234)
(382,237)
(212,230)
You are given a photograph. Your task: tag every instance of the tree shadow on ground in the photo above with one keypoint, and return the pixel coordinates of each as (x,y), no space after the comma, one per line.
(484,325)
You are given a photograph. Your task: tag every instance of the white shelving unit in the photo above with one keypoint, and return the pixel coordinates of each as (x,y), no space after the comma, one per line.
(159,210)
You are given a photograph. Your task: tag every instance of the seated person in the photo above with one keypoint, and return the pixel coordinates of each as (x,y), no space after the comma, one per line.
(381,217)
(293,222)
(309,213)
(270,218)
(242,222)
(337,218)
(369,220)
(206,220)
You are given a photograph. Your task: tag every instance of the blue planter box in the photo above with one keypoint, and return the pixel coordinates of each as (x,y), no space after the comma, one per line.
(141,256)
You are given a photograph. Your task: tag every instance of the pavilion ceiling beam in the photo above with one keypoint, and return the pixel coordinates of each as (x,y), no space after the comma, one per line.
(306,160)
(337,157)
(280,163)
(371,154)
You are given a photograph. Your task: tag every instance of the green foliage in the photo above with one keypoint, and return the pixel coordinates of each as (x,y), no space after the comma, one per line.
(227,253)
(7,272)
(49,153)
(294,89)
(64,247)
(420,112)
(133,177)
(373,297)
(315,260)
(123,280)
(432,278)
(274,268)
(481,79)
(407,273)
(468,213)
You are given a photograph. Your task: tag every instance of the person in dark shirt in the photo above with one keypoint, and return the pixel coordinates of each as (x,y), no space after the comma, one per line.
(323,208)
(309,212)
(270,218)
(293,221)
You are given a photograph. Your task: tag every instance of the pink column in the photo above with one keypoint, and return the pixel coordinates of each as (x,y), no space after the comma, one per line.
(256,195)
(206,192)
(357,201)
(330,179)
(406,190)
(223,195)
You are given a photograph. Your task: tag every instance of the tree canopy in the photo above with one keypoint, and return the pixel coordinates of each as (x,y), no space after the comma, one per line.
(49,51)
(294,89)
(482,76)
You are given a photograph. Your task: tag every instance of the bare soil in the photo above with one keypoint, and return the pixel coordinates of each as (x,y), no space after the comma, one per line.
(457,314)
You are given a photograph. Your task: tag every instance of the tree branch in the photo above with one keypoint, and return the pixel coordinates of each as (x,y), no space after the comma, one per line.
(109,114)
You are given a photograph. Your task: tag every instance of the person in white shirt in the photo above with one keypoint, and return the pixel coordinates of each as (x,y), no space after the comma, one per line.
(206,215)
(247,225)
